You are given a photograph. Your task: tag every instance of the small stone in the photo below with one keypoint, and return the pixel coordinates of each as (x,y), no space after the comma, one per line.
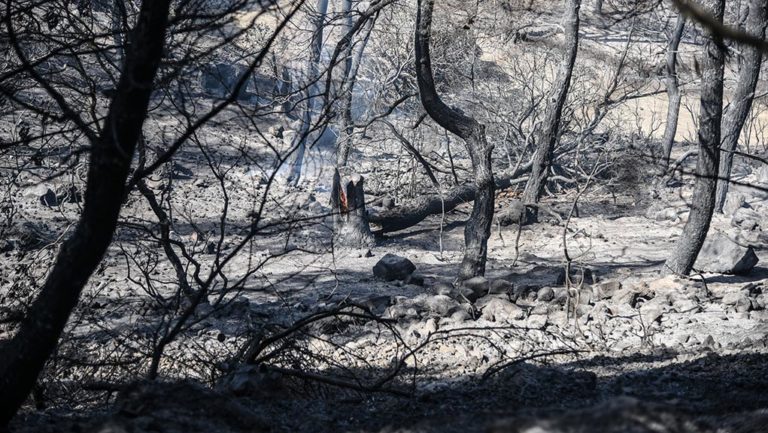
(545,294)
(388,203)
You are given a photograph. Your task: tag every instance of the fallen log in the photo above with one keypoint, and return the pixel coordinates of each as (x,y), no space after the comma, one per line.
(414,212)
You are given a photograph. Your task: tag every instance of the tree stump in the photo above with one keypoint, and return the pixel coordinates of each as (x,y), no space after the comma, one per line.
(350,220)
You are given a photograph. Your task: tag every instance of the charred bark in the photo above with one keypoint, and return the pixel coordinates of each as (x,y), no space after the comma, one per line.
(416,211)
(673,91)
(687,248)
(741,104)
(22,359)
(550,130)
(350,220)
(478,227)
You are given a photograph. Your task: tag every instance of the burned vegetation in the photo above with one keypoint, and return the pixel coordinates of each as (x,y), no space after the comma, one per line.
(383,216)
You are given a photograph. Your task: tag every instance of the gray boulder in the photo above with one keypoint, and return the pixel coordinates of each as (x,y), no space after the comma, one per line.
(478,285)
(392,267)
(723,256)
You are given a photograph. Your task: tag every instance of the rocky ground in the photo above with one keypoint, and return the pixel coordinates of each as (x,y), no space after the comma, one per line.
(619,348)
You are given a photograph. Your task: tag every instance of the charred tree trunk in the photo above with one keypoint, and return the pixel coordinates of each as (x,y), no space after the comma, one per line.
(550,129)
(414,212)
(742,99)
(673,91)
(297,160)
(346,129)
(703,201)
(478,227)
(350,221)
(22,359)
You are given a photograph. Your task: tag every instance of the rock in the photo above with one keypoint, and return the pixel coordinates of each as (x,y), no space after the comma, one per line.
(537,321)
(378,304)
(545,294)
(442,288)
(535,278)
(576,276)
(606,289)
(667,284)
(501,287)
(658,213)
(561,295)
(653,309)
(746,219)
(733,202)
(514,213)
(686,306)
(180,172)
(401,311)
(415,279)
(392,267)
(442,305)
(49,198)
(479,285)
(723,256)
(625,296)
(501,310)
(599,313)
(739,300)
(422,329)
(388,203)
(468,294)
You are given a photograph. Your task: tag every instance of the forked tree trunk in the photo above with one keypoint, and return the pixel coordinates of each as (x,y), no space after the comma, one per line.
(22,359)
(734,119)
(687,248)
(550,128)
(673,91)
(478,227)
(350,221)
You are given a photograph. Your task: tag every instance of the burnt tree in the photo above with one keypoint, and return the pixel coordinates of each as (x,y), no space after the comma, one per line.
(687,248)
(673,90)
(350,222)
(741,104)
(550,129)
(478,227)
(23,357)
